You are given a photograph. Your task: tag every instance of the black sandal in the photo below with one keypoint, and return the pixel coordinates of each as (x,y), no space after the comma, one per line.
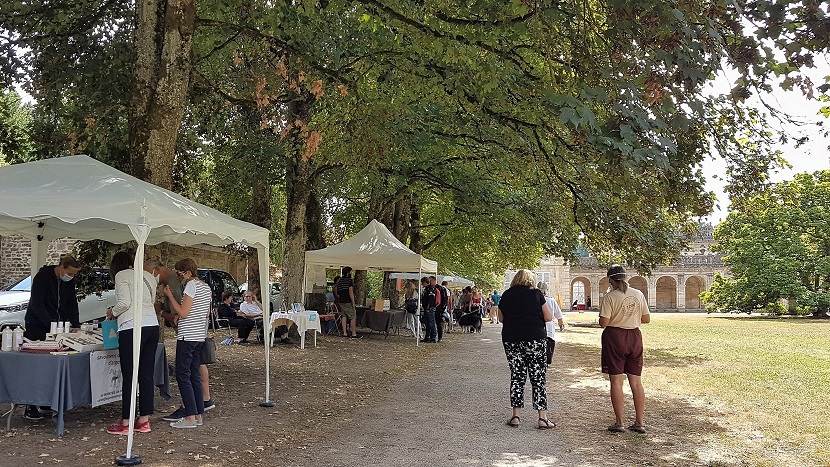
(510,422)
(637,429)
(547,424)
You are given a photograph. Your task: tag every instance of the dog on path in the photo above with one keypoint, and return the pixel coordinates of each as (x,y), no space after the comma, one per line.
(470,321)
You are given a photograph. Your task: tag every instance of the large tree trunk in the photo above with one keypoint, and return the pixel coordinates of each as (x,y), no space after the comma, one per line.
(380,207)
(298,185)
(164,40)
(415,239)
(395,216)
(299,182)
(314,222)
(360,287)
(314,241)
(400,226)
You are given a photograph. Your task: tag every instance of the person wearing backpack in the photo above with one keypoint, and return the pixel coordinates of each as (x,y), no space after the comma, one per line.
(429,301)
(442,316)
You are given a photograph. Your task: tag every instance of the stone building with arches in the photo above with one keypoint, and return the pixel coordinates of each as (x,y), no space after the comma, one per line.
(675,287)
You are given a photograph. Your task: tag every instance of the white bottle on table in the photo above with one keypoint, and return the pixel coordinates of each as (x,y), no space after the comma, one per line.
(8,336)
(18,338)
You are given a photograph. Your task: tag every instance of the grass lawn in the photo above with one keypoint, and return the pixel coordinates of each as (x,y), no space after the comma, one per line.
(767,379)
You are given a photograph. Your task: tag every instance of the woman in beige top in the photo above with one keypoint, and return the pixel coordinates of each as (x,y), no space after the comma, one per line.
(622,311)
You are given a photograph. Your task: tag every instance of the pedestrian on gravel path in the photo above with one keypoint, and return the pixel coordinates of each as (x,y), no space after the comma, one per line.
(621,312)
(523,313)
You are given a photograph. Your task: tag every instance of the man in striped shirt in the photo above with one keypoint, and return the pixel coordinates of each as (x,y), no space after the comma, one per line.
(345,295)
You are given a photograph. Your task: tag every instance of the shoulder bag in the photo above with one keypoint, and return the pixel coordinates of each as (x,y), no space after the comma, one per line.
(209,346)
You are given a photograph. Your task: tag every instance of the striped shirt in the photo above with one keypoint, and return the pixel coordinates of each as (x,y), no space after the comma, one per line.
(193,327)
(343,286)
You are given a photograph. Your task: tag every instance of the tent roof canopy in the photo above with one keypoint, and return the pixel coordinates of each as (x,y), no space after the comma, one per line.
(374,247)
(82,198)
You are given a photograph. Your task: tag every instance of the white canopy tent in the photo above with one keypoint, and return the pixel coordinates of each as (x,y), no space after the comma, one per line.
(374,247)
(82,198)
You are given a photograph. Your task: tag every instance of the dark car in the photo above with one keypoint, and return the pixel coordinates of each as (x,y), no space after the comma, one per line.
(219,281)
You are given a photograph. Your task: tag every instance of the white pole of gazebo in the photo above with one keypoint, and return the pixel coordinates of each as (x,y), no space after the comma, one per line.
(265,292)
(140,233)
(418,313)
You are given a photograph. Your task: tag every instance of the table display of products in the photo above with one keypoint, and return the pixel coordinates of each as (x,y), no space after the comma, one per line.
(60,380)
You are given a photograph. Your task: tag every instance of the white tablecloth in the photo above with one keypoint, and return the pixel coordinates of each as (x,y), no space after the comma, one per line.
(305,321)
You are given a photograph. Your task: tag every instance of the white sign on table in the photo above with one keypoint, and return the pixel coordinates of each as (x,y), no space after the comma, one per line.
(105,376)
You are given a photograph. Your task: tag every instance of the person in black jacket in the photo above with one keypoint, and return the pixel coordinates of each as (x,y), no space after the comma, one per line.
(53,299)
(429,301)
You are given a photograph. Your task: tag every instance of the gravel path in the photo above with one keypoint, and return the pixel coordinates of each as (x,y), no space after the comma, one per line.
(424,419)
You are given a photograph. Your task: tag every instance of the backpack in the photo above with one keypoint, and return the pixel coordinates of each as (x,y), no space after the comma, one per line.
(445,296)
(428,298)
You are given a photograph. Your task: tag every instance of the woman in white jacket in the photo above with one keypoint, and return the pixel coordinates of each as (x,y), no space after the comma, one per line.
(557,315)
(121,271)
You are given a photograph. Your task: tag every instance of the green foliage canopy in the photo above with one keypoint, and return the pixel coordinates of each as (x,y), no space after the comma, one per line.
(510,128)
(777,247)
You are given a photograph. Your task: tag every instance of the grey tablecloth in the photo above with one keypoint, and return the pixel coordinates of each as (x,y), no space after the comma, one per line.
(383,321)
(59,381)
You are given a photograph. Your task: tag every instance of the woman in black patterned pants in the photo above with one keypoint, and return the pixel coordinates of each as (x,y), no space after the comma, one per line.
(523,313)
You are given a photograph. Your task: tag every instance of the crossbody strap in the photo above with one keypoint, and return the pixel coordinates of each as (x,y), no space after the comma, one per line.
(149,288)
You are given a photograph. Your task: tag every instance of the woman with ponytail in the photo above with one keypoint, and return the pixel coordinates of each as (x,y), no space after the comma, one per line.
(622,311)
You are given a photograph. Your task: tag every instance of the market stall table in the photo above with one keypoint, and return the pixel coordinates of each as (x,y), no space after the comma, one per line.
(305,320)
(59,381)
(384,321)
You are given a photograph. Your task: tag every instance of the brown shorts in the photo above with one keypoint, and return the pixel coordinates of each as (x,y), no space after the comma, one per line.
(622,351)
(348,310)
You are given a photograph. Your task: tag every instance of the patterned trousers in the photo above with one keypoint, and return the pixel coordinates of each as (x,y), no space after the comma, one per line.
(527,359)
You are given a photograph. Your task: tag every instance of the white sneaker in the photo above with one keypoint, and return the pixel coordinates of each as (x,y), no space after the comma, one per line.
(200,421)
(183,423)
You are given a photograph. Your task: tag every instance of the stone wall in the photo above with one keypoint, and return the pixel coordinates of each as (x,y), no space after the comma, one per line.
(15,254)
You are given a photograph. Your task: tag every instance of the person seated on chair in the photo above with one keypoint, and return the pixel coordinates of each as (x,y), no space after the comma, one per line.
(242,323)
(250,308)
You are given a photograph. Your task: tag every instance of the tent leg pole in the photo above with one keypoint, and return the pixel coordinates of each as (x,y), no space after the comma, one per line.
(418,314)
(264,262)
(140,234)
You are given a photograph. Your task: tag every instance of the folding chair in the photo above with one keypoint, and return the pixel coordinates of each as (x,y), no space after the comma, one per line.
(219,323)
(331,320)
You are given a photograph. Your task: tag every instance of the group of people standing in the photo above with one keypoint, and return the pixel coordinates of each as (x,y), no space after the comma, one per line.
(525,310)
(436,300)
(184,302)
(186,305)
(527,316)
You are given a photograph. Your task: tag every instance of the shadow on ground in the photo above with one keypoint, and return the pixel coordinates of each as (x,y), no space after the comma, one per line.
(386,402)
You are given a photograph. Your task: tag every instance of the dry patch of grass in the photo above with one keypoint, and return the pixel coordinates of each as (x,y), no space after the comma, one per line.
(764,381)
